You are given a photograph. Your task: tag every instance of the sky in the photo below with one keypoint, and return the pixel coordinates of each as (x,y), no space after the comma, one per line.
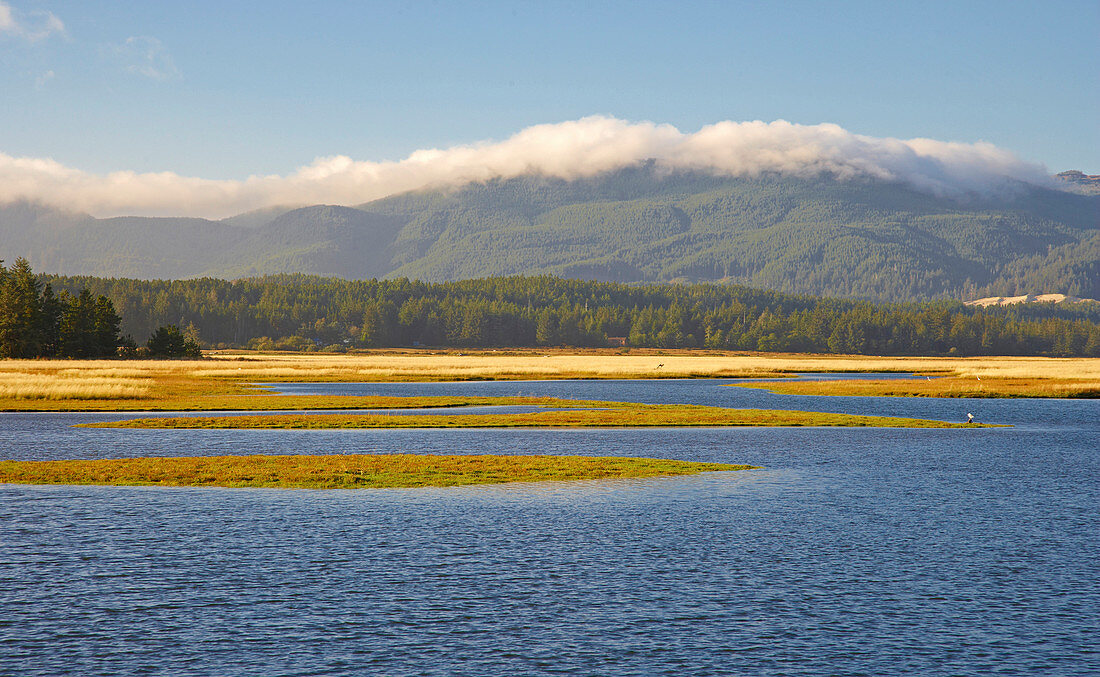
(224,91)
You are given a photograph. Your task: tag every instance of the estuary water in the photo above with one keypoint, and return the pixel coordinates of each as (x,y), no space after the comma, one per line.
(852,552)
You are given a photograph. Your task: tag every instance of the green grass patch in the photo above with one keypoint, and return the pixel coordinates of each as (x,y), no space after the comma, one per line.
(598,415)
(359,471)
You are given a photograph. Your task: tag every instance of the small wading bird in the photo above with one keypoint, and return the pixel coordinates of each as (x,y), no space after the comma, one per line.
(969,418)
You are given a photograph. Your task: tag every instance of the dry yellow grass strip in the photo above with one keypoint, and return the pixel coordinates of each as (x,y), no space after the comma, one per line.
(86,386)
(990,386)
(343,472)
(388,366)
(554,365)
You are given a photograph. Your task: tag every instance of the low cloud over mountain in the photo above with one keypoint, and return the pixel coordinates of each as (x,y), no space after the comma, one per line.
(566,150)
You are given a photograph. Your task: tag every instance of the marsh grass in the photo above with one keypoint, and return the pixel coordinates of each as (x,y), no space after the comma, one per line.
(596,415)
(225,381)
(954,386)
(505,365)
(343,471)
(70,386)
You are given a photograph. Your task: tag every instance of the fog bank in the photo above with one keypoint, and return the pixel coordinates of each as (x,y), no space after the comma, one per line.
(566,150)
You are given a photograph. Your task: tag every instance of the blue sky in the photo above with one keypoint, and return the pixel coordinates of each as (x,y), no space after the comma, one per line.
(224,90)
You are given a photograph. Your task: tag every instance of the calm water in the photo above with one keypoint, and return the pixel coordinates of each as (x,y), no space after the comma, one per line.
(853,552)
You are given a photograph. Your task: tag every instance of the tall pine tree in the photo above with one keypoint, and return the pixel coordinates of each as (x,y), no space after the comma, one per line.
(20,311)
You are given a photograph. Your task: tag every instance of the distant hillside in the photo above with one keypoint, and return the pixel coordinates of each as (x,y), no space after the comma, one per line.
(1088,184)
(819,236)
(321,240)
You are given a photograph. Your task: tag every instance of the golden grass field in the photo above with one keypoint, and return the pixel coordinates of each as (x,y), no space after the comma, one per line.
(505,365)
(223,380)
(359,471)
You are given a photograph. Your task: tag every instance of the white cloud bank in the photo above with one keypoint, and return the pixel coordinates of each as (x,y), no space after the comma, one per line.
(30,26)
(566,150)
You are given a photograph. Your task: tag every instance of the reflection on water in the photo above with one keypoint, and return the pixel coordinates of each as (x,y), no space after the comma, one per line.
(868,551)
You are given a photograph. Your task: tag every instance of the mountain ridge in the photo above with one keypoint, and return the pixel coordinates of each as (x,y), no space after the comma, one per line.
(856,238)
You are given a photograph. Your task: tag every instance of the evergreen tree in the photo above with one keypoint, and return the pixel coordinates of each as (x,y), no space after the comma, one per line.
(78,337)
(20,305)
(50,321)
(106,327)
(169,341)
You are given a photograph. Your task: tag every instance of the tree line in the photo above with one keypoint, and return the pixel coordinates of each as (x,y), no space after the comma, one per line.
(36,322)
(299,312)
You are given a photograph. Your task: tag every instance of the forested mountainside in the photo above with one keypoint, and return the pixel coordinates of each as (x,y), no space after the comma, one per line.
(823,236)
(314,313)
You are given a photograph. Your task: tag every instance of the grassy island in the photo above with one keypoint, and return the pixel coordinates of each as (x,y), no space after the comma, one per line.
(595,415)
(360,471)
